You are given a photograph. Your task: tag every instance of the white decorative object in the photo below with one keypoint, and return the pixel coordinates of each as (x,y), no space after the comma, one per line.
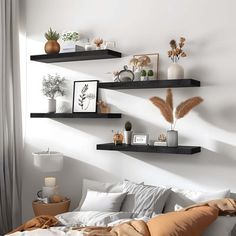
(158,143)
(89,47)
(52,105)
(48,161)
(50,181)
(63,107)
(137,74)
(69,46)
(175,71)
(172,138)
(127,137)
(50,191)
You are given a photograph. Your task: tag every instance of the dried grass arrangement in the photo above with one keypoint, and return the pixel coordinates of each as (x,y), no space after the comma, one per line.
(167,110)
(177,50)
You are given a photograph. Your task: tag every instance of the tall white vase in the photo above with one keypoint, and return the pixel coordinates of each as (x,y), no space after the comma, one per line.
(52,105)
(175,71)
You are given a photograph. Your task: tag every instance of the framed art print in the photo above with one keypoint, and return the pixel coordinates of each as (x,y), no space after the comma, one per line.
(140,139)
(85,95)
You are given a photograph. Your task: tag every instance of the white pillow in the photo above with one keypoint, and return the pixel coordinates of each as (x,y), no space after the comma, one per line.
(223,226)
(100,187)
(144,200)
(101,201)
(180,198)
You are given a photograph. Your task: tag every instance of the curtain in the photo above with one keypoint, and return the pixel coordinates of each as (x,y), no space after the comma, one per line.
(10,117)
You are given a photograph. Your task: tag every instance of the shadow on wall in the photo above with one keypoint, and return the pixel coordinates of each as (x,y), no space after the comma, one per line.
(209,166)
(72,175)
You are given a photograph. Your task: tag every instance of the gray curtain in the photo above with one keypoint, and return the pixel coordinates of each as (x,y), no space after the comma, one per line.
(10,117)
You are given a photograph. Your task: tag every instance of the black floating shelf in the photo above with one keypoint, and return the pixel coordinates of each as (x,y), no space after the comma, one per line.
(177,83)
(76,56)
(75,115)
(152,149)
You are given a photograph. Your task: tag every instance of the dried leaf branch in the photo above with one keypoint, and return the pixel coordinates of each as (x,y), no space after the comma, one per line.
(169,98)
(185,107)
(165,109)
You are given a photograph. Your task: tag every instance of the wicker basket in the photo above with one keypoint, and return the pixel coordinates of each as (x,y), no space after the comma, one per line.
(51,209)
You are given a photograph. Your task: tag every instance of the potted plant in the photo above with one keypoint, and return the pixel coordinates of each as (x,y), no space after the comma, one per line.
(128,132)
(52,46)
(70,38)
(176,71)
(150,75)
(143,75)
(53,86)
(98,42)
(172,115)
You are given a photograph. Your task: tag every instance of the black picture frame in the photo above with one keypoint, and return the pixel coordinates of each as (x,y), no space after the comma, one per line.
(80,96)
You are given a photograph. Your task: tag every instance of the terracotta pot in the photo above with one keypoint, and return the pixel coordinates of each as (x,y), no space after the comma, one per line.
(52,47)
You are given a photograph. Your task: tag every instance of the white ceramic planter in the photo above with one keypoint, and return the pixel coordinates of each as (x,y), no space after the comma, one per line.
(48,161)
(127,137)
(52,105)
(172,138)
(175,71)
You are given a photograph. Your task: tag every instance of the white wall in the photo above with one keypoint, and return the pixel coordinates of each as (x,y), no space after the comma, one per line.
(137,27)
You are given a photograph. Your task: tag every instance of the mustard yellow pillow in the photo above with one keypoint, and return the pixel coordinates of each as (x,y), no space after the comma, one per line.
(185,223)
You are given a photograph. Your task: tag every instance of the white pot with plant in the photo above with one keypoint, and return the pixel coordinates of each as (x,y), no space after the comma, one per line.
(128,132)
(70,39)
(150,75)
(53,86)
(176,71)
(172,115)
(143,75)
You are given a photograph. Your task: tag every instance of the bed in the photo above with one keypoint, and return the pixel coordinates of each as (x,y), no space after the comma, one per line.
(112,204)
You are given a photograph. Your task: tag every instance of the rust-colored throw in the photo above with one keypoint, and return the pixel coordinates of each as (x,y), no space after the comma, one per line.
(226,206)
(185,223)
(39,222)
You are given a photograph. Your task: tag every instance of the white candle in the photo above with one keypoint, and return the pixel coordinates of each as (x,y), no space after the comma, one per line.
(50,181)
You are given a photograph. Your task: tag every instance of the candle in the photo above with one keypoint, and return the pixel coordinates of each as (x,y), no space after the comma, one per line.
(50,181)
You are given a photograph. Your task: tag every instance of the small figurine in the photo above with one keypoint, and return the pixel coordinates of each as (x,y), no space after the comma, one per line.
(98,42)
(162,138)
(103,107)
(118,138)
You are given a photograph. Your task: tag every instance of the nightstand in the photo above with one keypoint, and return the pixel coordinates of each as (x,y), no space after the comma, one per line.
(51,209)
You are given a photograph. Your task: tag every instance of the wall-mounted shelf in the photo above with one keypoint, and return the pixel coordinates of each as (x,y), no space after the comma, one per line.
(76,56)
(151,84)
(152,149)
(76,115)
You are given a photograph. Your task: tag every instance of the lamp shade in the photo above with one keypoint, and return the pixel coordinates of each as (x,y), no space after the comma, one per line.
(48,161)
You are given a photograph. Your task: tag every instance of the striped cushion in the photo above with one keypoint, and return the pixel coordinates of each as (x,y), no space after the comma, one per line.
(144,200)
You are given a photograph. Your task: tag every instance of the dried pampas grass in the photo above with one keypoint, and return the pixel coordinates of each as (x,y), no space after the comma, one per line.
(165,109)
(169,98)
(185,107)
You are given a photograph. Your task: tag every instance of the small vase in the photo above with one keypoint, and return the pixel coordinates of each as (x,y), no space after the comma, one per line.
(175,71)
(52,47)
(52,105)
(127,137)
(172,138)
(137,74)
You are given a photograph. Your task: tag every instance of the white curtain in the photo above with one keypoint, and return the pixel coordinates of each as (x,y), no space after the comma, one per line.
(10,117)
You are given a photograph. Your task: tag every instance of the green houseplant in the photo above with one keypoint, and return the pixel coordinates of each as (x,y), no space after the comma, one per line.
(52,87)
(143,75)
(52,46)
(150,75)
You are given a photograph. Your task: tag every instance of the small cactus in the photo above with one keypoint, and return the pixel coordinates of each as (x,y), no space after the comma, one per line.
(143,73)
(128,126)
(150,73)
